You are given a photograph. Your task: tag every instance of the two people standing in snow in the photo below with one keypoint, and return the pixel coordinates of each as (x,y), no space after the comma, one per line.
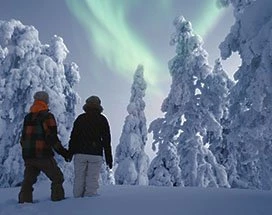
(89,137)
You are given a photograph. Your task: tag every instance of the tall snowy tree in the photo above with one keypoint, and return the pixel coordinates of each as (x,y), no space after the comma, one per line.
(164,168)
(187,115)
(216,91)
(27,66)
(130,156)
(250,140)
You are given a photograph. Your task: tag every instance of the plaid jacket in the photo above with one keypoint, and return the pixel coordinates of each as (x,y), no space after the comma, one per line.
(39,136)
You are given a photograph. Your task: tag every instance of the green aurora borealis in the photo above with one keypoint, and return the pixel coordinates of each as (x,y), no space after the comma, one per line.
(117,44)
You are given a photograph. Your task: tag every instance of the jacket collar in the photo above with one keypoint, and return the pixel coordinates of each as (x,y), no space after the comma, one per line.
(38,106)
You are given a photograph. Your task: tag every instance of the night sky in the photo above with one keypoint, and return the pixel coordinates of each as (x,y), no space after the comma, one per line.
(109,38)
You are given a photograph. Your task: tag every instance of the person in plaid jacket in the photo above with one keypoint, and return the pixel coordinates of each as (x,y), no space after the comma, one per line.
(38,140)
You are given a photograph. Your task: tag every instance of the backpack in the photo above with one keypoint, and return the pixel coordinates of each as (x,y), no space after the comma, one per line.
(33,141)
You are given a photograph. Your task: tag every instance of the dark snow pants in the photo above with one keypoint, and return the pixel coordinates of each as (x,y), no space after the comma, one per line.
(49,167)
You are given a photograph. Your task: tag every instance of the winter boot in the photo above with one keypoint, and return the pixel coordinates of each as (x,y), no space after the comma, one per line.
(57,192)
(25,196)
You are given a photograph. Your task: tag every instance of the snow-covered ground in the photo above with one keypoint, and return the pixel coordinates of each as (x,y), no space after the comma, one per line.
(141,200)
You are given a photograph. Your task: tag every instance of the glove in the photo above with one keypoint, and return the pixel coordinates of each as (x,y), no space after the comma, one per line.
(68,157)
(62,151)
(109,161)
(109,165)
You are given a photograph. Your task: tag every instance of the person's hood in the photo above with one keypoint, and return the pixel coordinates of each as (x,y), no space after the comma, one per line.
(38,106)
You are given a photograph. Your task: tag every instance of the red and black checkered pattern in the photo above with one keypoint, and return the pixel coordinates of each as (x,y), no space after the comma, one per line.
(39,135)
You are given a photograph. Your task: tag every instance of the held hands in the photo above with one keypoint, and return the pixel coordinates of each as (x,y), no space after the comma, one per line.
(67,156)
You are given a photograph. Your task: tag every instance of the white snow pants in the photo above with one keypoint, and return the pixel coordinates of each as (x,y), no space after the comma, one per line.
(87,170)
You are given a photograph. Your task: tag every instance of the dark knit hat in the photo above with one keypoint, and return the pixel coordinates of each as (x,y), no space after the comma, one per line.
(93,102)
(42,96)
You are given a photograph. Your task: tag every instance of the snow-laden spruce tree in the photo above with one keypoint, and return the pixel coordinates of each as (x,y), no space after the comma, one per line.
(164,168)
(27,66)
(250,140)
(130,157)
(189,69)
(216,91)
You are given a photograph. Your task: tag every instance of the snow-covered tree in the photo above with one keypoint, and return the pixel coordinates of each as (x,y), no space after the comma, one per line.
(27,66)
(130,156)
(186,120)
(216,91)
(250,140)
(164,168)
(192,114)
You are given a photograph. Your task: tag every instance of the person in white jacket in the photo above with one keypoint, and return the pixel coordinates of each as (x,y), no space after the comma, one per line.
(90,137)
